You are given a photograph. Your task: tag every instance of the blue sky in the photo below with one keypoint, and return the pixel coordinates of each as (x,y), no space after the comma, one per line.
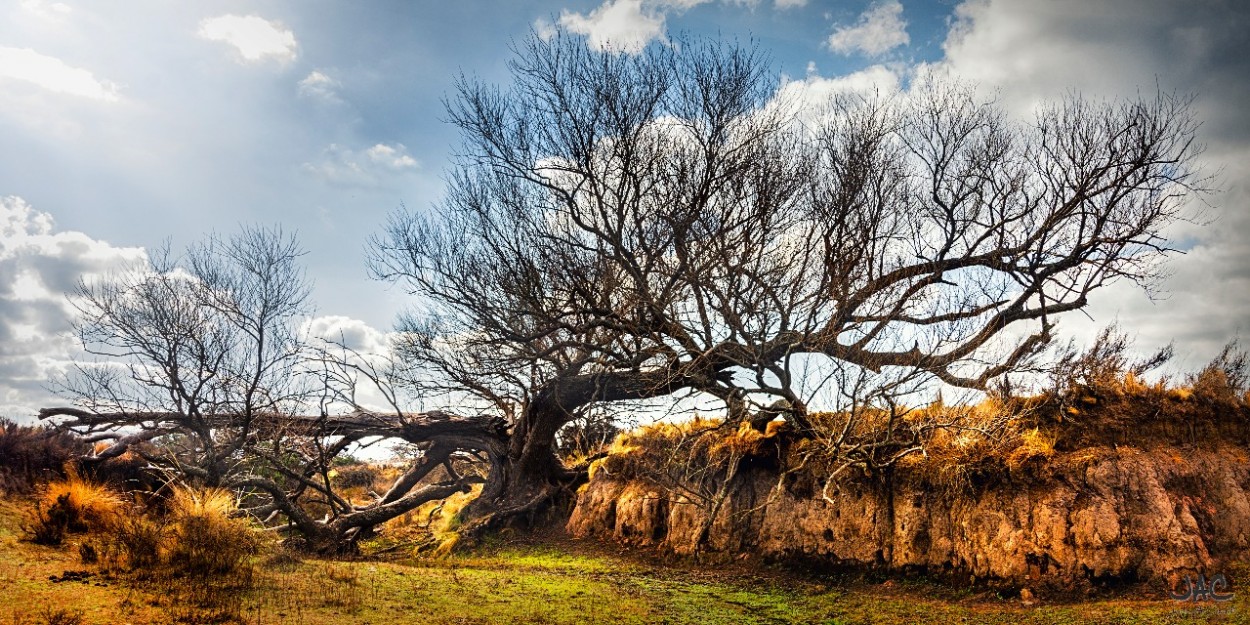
(124,123)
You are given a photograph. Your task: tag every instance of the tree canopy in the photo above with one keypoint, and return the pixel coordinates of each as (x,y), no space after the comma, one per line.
(621,227)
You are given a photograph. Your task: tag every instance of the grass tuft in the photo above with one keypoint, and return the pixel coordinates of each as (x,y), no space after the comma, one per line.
(205,537)
(73,505)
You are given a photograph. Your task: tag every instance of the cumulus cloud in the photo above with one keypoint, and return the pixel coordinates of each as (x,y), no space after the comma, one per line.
(53,74)
(39,268)
(319,85)
(629,25)
(815,89)
(545,29)
(255,38)
(879,29)
(810,97)
(393,157)
(367,167)
(353,334)
(621,25)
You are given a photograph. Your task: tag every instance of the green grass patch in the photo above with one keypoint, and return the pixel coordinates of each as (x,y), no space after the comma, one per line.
(559,583)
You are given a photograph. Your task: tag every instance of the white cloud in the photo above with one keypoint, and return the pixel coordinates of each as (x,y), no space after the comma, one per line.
(319,85)
(351,333)
(620,25)
(682,5)
(875,79)
(813,92)
(254,37)
(53,74)
(544,29)
(39,268)
(367,167)
(879,29)
(46,10)
(629,25)
(393,157)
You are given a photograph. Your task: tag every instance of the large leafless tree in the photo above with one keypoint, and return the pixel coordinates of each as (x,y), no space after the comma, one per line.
(624,227)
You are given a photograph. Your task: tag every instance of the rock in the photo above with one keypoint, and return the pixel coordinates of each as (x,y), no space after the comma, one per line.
(1026,598)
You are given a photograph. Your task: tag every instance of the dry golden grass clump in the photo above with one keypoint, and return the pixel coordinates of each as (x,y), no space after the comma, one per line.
(205,537)
(74,505)
(1034,445)
(698,448)
(198,534)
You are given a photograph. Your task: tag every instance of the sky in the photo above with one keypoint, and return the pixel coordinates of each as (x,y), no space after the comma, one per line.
(128,123)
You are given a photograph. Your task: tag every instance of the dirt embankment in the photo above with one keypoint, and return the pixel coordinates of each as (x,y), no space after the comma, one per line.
(1096,513)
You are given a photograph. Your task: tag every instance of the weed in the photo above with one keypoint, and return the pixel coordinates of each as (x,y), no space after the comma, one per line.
(140,541)
(88,553)
(62,616)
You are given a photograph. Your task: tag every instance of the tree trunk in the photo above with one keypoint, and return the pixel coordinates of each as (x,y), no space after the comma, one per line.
(525,478)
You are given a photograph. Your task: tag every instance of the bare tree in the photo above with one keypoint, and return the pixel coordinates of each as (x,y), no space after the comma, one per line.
(192,350)
(197,364)
(624,227)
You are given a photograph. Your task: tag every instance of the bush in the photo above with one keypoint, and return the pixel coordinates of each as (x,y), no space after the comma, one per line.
(1224,379)
(140,541)
(205,540)
(49,527)
(62,616)
(33,454)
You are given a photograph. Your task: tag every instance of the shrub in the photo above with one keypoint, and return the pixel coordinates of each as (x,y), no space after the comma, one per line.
(205,539)
(33,454)
(48,527)
(1224,379)
(139,541)
(129,472)
(355,476)
(62,616)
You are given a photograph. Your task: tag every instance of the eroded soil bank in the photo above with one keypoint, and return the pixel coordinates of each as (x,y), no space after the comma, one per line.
(1099,513)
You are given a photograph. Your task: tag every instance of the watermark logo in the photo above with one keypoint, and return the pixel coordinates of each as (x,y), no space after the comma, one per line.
(1216,589)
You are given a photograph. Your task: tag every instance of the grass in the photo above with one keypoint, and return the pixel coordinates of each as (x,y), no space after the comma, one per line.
(74,505)
(549,581)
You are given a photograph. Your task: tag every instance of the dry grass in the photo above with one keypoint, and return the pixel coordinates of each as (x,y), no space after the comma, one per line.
(138,544)
(701,448)
(74,505)
(431,529)
(1034,445)
(206,539)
